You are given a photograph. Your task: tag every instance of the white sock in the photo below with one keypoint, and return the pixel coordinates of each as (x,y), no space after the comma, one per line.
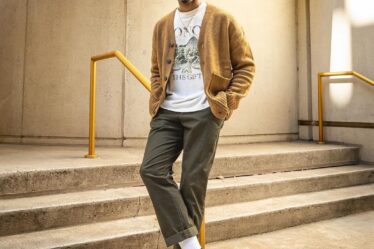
(190,243)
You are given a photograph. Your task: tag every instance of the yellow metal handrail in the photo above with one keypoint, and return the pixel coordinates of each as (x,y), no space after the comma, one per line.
(146,83)
(320,95)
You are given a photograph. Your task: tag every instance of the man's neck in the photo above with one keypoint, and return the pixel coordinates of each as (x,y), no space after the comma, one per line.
(188,7)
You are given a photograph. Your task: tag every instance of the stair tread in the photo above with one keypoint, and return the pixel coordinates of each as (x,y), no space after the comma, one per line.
(102,195)
(18,159)
(99,231)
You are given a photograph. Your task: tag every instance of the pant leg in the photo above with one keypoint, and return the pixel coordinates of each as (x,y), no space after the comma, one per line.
(201,136)
(164,144)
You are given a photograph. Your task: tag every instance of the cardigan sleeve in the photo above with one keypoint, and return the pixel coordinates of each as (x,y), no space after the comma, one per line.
(243,66)
(155,72)
(156,88)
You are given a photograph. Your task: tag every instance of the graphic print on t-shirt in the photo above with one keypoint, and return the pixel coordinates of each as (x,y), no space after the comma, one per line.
(185,89)
(187,54)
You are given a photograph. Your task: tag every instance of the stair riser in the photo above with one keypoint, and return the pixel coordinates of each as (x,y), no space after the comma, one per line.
(143,241)
(69,179)
(83,178)
(253,192)
(261,164)
(40,219)
(267,222)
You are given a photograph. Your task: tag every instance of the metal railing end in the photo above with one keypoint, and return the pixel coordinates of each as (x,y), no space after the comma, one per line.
(320,95)
(91,156)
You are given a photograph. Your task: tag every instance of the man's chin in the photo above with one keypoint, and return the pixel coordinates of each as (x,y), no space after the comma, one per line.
(185,1)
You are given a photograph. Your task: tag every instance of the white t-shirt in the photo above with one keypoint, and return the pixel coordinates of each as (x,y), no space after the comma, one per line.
(185,90)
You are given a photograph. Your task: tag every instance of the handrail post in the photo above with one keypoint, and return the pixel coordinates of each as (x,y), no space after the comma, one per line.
(91,147)
(320,109)
(202,233)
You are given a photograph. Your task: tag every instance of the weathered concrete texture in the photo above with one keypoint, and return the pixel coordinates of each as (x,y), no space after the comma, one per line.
(47,211)
(136,232)
(12,48)
(349,232)
(222,222)
(27,168)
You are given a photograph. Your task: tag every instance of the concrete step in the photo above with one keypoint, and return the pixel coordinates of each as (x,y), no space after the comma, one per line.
(48,211)
(353,231)
(27,214)
(222,222)
(28,169)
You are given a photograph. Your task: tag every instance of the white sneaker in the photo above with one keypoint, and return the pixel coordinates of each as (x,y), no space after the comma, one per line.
(190,243)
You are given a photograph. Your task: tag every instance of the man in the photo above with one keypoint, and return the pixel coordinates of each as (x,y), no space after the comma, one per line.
(202,66)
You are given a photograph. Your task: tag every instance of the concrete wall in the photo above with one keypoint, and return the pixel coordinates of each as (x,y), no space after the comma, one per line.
(45,55)
(12,48)
(45,49)
(341,38)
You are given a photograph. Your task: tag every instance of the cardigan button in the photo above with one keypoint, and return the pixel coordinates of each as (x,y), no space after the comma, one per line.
(168,61)
(165,78)
(171,45)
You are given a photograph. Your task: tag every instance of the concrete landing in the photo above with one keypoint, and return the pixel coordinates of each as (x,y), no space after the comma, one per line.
(350,232)
(15,158)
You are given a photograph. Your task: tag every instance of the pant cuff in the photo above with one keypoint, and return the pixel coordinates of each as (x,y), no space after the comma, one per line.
(182,235)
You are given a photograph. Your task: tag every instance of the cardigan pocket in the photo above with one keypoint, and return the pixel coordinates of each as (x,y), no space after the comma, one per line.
(216,90)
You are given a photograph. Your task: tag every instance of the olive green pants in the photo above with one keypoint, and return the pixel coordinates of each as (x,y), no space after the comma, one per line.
(179,211)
